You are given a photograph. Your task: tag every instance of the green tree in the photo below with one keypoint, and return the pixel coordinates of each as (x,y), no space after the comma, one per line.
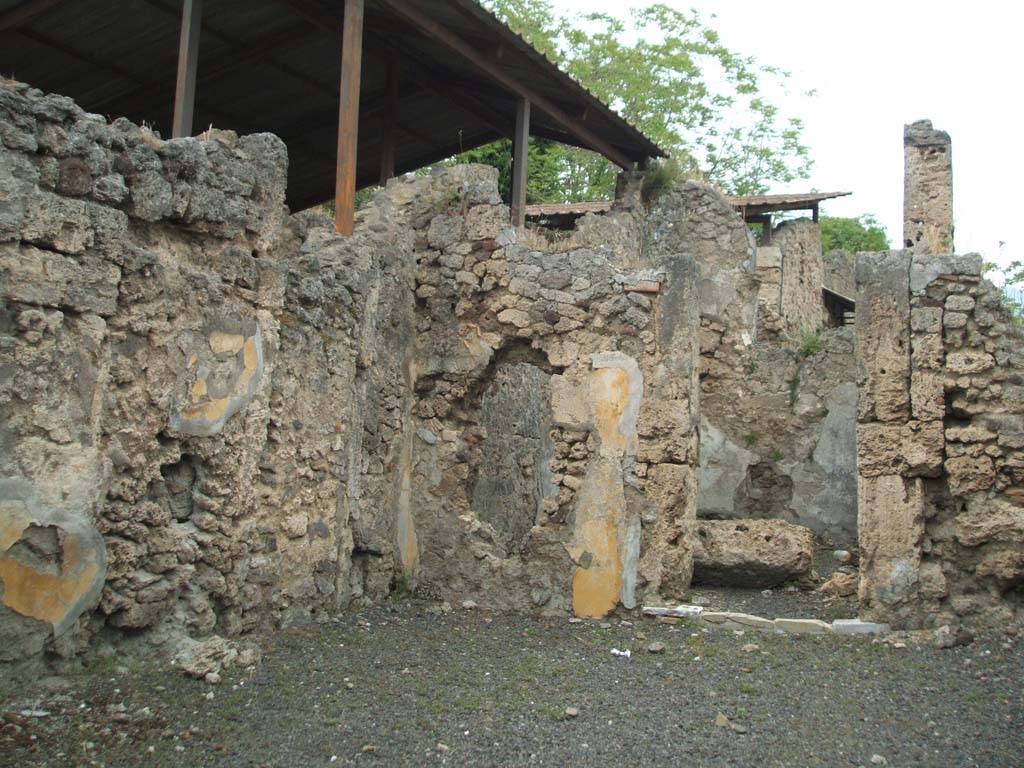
(668,73)
(852,235)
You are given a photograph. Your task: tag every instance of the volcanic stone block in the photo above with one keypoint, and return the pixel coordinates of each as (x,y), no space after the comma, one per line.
(751,553)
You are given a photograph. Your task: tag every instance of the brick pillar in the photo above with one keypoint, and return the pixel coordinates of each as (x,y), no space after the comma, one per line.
(927,189)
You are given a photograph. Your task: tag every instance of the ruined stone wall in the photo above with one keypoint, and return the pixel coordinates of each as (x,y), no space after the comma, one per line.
(802,276)
(839,273)
(777,427)
(928,189)
(778,440)
(792,273)
(940,441)
(554,465)
(215,417)
(770,325)
(196,393)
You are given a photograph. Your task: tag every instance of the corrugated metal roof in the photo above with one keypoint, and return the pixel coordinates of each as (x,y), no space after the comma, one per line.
(272,65)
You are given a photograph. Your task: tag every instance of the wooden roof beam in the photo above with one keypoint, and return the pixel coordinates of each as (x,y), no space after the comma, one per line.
(23,14)
(757,210)
(426,76)
(431,28)
(241,48)
(520,163)
(258,51)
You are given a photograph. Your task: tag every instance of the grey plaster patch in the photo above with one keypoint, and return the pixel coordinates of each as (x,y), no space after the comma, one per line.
(723,468)
(925,269)
(825,489)
(514,476)
(630,563)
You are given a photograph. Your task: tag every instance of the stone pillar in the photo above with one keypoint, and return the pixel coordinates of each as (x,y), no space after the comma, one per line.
(899,441)
(928,189)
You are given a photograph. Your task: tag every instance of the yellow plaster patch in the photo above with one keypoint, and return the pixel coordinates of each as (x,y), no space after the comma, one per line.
(209,411)
(600,508)
(44,596)
(226,343)
(408,542)
(198,390)
(609,394)
(595,590)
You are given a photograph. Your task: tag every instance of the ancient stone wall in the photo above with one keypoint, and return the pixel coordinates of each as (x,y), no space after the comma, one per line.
(778,440)
(839,273)
(792,273)
(940,443)
(197,393)
(215,417)
(554,466)
(928,189)
(695,219)
(777,426)
(802,276)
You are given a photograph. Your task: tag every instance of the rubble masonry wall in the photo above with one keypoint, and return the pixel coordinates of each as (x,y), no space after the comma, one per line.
(940,443)
(217,417)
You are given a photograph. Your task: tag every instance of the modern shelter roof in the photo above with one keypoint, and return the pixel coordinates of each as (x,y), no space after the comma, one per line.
(273,65)
(747,205)
(759,204)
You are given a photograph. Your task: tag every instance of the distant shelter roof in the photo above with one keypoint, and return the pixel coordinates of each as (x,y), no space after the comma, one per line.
(757,205)
(751,207)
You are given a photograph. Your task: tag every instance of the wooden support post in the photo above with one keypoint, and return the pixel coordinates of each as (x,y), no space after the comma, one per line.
(387,146)
(520,162)
(815,213)
(348,118)
(188,62)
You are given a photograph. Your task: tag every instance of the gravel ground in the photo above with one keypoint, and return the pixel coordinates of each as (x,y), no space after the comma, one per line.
(398,685)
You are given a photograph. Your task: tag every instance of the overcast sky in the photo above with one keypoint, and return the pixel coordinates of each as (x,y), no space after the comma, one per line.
(877,65)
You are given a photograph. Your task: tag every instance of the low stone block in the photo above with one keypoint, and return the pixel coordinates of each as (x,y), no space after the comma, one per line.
(751,553)
(926,320)
(967,473)
(858,627)
(735,621)
(803,626)
(910,449)
(927,396)
(679,611)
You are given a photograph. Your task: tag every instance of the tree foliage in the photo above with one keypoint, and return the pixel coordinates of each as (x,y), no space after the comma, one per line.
(852,235)
(669,74)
